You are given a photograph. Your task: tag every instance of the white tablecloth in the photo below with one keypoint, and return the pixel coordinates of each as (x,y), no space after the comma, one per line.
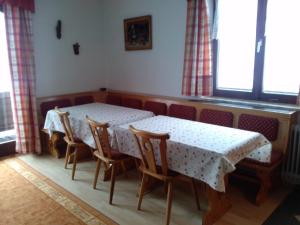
(203,151)
(114,115)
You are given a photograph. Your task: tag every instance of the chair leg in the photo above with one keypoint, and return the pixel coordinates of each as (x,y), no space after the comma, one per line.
(67,155)
(137,165)
(112,182)
(169,202)
(92,152)
(97,173)
(194,187)
(166,186)
(124,168)
(74,163)
(142,189)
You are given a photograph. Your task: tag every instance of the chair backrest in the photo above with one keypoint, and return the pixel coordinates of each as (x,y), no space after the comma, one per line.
(64,119)
(158,108)
(101,137)
(113,100)
(182,111)
(265,125)
(80,100)
(216,117)
(132,103)
(144,141)
(49,105)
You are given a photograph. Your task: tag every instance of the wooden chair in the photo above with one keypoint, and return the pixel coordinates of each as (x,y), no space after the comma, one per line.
(72,142)
(55,144)
(105,153)
(148,166)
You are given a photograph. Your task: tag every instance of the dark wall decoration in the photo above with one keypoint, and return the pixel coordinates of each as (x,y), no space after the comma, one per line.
(138,33)
(58,29)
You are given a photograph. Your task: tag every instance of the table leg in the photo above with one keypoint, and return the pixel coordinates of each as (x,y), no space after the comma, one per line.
(218,205)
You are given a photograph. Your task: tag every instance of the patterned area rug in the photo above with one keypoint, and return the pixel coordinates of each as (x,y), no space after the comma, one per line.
(288,213)
(27,197)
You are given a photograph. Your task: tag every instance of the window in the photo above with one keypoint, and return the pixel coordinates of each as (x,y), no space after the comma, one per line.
(5,83)
(6,115)
(256,51)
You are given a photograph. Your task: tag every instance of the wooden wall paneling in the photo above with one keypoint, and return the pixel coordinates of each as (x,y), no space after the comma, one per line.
(286,119)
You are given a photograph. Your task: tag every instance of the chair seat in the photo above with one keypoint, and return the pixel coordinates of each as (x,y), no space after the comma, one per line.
(115,154)
(171,173)
(276,156)
(76,140)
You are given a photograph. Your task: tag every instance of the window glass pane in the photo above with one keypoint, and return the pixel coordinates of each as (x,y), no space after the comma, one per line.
(236,38)
(4,64)
(282,50)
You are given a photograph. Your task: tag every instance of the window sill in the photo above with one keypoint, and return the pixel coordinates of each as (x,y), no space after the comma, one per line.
(264,106)
(7,136)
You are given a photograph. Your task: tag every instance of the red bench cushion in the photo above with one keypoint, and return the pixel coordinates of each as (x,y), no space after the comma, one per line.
(276,156)
(182,111)
(80,100)
(264,125)
(216,117)
(113,100)
(157,108)
(46,106)
(132,103)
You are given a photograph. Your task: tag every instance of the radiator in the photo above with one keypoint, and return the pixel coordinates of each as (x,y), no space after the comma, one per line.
(291,168)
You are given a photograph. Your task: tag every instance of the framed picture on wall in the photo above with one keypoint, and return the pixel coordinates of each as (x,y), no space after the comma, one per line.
(138,33)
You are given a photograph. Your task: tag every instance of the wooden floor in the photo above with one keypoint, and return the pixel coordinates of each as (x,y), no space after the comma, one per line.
(243,212)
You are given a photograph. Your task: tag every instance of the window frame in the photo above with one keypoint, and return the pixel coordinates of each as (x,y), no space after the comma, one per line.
(257,91)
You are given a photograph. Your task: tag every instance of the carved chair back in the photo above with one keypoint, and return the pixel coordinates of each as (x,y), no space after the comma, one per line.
(64,119)
(145,142)
(101,137)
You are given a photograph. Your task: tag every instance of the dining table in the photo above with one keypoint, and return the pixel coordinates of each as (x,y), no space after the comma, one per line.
(205,152)
(100,112)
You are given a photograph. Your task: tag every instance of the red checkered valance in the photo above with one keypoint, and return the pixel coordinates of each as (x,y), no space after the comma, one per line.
(24,4)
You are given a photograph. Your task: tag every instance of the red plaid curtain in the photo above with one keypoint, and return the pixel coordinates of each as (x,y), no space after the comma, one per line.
(22,68)
(197,75)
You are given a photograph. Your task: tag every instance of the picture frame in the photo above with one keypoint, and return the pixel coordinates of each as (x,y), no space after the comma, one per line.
(138,33)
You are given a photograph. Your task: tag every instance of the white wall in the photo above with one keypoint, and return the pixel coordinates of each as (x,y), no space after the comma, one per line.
(58,70)
(157,71)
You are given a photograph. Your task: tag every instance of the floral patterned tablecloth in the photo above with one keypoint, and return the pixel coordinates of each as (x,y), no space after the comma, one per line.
(114,115)
(203,151)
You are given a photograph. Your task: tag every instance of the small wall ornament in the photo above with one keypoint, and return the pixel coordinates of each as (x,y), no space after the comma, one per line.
(58,29)
(76,48)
